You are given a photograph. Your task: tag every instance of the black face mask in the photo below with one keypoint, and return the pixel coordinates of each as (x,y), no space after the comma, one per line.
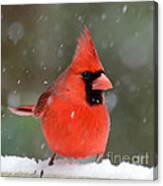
(93,97)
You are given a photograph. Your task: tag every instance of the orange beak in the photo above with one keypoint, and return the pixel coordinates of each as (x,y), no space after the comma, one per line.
(102,83)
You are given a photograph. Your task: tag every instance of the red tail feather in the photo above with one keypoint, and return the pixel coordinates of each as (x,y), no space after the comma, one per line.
(27,110)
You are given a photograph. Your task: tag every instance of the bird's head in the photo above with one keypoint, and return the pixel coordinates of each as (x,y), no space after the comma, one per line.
(86,75)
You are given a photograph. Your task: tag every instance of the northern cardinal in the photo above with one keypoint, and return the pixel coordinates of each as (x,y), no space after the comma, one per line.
(74,117)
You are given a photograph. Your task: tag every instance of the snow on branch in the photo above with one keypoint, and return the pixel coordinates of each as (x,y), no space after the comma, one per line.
(20,166)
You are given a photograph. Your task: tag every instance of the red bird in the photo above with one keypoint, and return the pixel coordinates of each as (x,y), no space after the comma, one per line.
(74,117)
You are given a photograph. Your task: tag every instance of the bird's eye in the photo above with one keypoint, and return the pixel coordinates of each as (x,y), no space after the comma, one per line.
(86,75)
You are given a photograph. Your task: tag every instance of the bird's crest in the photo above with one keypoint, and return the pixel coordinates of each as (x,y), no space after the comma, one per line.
(86,57)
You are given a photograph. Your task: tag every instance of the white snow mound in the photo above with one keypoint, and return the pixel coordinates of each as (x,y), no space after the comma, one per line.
(18,166)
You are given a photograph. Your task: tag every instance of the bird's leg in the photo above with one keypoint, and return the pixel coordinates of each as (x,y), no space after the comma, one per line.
(99,158)
(49,163)
(52,159)
(41,173)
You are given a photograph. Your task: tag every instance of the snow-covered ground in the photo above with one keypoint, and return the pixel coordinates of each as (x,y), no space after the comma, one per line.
(18,166)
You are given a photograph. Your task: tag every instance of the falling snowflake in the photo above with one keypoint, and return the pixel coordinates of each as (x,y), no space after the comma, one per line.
(14,91)
(44,68)
(24,52)
(15,32)
(111,44)
(111,100)
(124,9)
(60,52)
(104,44)
(72,114)
(144,120)
(45,82)
(26,71)
(45,18)
(13,99)
(117,20)
(61,45)
(59,68)
(80,19)
(33,50)
(18,81)
(3,69)
(103,16)
(43,146)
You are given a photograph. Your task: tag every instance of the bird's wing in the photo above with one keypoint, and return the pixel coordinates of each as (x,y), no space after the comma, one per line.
(42,103)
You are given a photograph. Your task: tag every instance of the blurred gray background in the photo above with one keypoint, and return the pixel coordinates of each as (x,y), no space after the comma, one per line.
(38,43)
